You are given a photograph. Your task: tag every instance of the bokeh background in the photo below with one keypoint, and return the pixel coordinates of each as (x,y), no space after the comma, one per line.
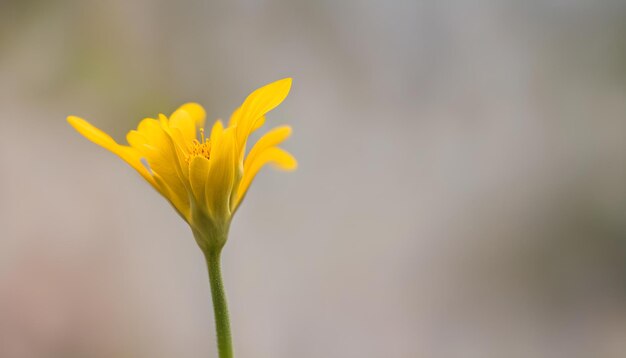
(461,190)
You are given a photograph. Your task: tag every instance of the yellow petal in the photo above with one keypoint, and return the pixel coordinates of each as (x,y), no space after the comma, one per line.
(165,122)
(178,201)
(92,133)
(138,141)
(220,181)
(177,144)
(183,124)
(258,124)
(149,127)
(128,154)
(198,173)
(163,167)
(154,144)
(279,158)
(216,132)
(257,104)
(183,127)
(234,117)
(270,139)
(197,113)
(149,138)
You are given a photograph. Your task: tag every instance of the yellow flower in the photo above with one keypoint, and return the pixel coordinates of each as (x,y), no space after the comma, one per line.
(204,177)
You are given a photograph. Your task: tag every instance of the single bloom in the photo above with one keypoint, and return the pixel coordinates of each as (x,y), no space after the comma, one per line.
(203,175)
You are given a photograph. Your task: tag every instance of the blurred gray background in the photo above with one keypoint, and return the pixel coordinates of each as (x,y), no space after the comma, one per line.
(461,190)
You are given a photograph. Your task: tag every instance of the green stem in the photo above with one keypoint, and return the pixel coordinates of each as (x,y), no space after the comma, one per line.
(220,307)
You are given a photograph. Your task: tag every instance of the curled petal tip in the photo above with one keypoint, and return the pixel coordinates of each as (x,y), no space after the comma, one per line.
(196,112)
(287,81)
(74,120)
(289,165)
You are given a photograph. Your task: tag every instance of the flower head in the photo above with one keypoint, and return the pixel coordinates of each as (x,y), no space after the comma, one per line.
(204,175)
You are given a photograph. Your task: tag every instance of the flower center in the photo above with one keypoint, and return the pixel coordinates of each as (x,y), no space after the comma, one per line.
(200,148)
